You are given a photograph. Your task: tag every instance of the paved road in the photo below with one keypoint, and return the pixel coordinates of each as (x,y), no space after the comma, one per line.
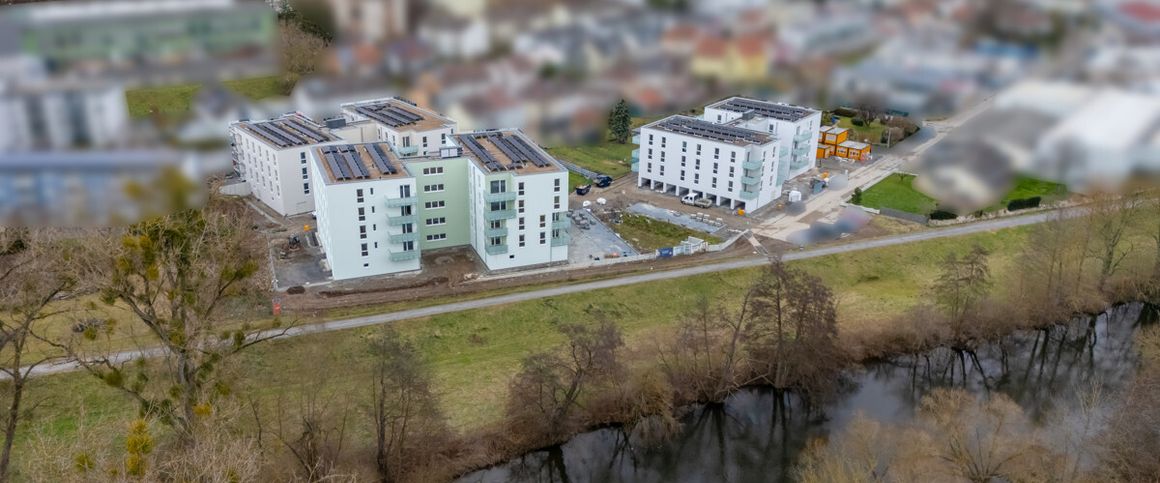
(748,262)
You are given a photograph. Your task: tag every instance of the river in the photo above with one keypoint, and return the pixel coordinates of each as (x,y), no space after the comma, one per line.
(756,436)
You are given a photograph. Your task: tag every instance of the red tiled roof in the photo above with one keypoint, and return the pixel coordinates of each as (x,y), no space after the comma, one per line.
(751,44)
(711,46)
(1144,11)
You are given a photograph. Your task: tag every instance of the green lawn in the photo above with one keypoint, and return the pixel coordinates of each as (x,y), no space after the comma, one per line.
(647,234)
(869,134)
(177,100)
(897,192)
(610,158)
(1026,187)
(575,180)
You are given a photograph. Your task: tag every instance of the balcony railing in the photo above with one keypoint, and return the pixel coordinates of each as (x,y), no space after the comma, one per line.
(750,180)
(494,232)
(784,151)
(403,237)
(562,240)
(561,224)
(801,151)
(803,137)
(636,139)
(636,166)
(404,256)
(399,220)
(499,215)
(407,150)
(397,202)
(495,249)
(751,164)
(748,195)
(498,197)
(636,154)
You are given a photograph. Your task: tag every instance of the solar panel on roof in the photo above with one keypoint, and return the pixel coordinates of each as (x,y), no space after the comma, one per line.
(767,109)
(307,130)
(381,160)
(336,169)
(505,147)
(473,146)
(403,113)
(269,135)
(537,159)
(710,130)
(357,168)
(293,138)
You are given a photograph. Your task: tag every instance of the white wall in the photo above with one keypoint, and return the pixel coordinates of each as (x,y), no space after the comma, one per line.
(700,179)
(540,193)
(275,175)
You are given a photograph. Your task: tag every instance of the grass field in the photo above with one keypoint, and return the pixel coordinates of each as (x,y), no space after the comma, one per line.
(897,191)
(647,234)
(610,158)
(870,134)
(475,353)
(177,100)
(1026,187)
(575,180)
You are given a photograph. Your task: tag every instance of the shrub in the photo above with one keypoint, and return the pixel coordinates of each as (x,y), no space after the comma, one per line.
(296,290)
(857,197)
(1024,203)
(845,112)
(857,121)
(942,215)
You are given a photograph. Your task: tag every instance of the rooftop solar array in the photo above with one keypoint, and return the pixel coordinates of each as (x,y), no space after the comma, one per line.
(709,130)
(288,131)
(344,163)
(388,114)
(485,157)
(382,162)
(516,148)
(766,109)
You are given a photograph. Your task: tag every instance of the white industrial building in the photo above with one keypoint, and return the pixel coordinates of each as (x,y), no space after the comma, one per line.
(272,157)
(62,115)
(739,153)
(495,191)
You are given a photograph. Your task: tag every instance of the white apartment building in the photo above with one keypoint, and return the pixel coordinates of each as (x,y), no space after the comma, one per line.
(272,156)
(739,153)
(62,115)
(409,129)
(495,191)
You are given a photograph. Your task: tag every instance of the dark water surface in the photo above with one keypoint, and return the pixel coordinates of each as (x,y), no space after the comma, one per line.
(756,435)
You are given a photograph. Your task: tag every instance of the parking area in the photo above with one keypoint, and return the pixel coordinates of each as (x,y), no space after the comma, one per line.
(593,240)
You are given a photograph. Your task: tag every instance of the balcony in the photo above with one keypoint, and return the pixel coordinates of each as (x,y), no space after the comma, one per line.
(748,195)
(784,151)
(498,197)
(561,241)
(636,139)
(495,249)
(636,155)
(403,237)
(494,232)
(404,256)
(499,215)
(750,180)
(406,150)
(803,136)
(801,151)
(752,164)
(399,220)
(561,224)
(636,167)
(397,202)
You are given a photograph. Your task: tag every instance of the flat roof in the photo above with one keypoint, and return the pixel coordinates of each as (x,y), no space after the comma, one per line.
(346,163)
(854,144)
(290,130)
(775,110)
(506,150)
(399,113)
(835,130)
(691,126)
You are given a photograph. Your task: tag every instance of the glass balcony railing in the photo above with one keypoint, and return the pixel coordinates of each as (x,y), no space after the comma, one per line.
(636,139)
(399,220)
(403,237)
(493,232)
(784,151)
(636,167)
(499,215)
(495,249)
(407,150)
(750,180)
(801,151)
(751,164)
(498,197)
(803,137)
(636,154)
(404,256)
(748,195)
(397,202)
(563,240)
(561,224)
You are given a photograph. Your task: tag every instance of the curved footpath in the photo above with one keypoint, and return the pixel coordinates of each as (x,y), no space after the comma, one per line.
(351,323)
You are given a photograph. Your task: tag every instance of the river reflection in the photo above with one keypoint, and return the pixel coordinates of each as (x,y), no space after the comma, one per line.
(756,435)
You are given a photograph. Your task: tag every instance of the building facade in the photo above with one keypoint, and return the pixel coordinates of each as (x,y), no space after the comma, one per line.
(273,157)
(739,153)
(62,114)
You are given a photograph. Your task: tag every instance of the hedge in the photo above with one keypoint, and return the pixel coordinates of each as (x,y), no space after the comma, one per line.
(942,215)
(1023,203)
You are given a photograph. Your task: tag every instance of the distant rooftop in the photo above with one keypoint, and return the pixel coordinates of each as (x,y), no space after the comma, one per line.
(508,150)
(93,10)
(399,113)
(287,131)
(773,110)
(358,162)
(712,131)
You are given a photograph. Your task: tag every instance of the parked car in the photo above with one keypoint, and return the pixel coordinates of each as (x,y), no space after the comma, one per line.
(689,199)
(603,181)
(583,190)
(703,203)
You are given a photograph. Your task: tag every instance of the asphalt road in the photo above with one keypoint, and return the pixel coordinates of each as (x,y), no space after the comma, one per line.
(343,324)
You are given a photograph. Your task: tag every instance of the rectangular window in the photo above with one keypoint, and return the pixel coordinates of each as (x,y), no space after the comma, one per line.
(358,195)
(522,240)
(520,188)
(304,172)
(408,246)
(362,214)
(521,223)
(520,205)
(306,188)
(437,221)
(365,252)
(557,186)
(498,186)
(362,231)
(543,238)
(431,205)
(433,188)
(437,237)
(543,221)
(496,240)
(556,202)
(435,170)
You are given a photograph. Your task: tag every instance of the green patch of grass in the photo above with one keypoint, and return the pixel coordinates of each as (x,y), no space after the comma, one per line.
(1026,187)
(647,234)
(897,191)
(610,158)
(869,134)
(575,180)
(176,100)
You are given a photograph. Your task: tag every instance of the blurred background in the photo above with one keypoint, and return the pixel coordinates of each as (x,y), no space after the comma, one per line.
(95,94)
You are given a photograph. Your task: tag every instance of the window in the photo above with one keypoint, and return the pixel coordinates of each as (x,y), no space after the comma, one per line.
(437,237)
(365,252)
(358,195)
(696,177)
(714,181)
(441,220)
(302,157)
(496,241)
(556,202)
(543,221)
(442,139)
(522,244)
(498,206)
(435,170)
(716,153)
(543,238)
(306,188)
(682,175)
(431,205)
(730,185)
(495,224)
(557,187)
(362,214)
(520,188)
(650,142)
(303,173)
(662,170)
(362,231)
(684,146)
(498,186)
(376,244)
(520,205)
(648,168)
(521,223)
(682,161)
(433,188)
(408,246)
(405,191)
(425,142)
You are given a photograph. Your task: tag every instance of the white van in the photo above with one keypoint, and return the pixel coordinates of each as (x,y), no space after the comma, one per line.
(689,199)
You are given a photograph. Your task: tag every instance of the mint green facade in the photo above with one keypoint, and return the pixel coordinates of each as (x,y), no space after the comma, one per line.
(454,197)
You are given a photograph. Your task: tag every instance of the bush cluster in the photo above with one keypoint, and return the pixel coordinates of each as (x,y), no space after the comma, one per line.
(1023,203)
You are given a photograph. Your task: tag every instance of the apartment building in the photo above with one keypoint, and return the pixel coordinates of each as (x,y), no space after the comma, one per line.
(409,129)
(739,153)
(272,156)
(377,210)
(62,114)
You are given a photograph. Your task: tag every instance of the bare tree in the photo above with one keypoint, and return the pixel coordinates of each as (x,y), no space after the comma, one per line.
(702,360)
(407,422)
(962,283)
(1110,218)
(549,385)
(29,282)
(301,51)
(1127,446)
